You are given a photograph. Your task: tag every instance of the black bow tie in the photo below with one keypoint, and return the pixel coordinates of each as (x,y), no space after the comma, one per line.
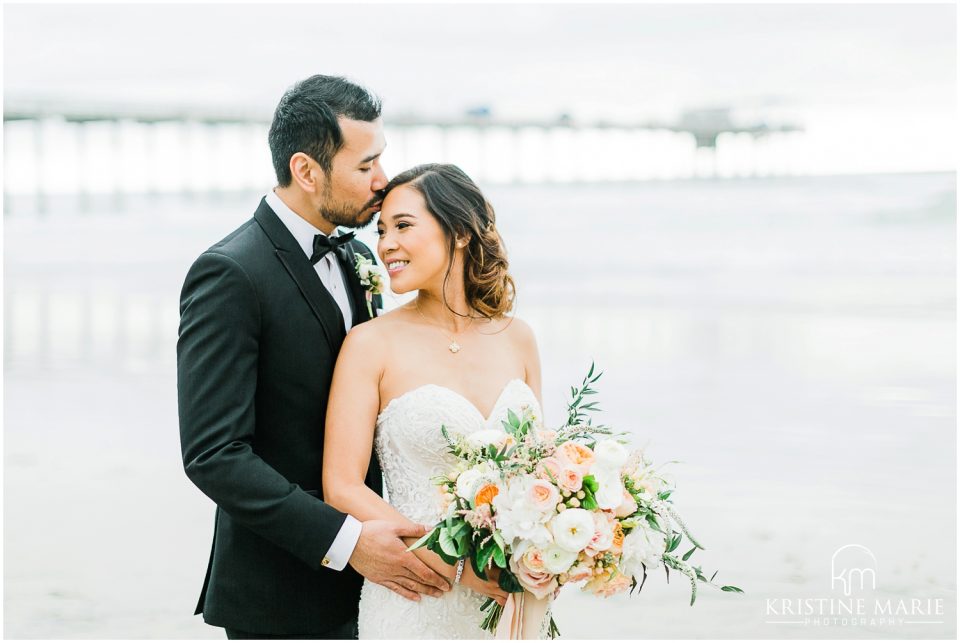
(322,244)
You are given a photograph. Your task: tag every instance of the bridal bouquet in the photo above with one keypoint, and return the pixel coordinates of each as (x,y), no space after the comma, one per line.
(556,507)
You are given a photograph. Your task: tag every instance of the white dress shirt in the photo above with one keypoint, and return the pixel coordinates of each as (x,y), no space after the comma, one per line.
(331,276)
(327,268)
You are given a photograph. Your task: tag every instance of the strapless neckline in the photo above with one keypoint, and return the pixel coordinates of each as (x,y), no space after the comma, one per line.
(414,454)
(486,419)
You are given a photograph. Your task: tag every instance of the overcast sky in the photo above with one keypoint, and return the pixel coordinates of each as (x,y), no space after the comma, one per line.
(876,67)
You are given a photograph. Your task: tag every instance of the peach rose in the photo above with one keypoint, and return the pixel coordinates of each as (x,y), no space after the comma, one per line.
(576,455)
(543,495)
(602,535)
(551,466)
(571,480)
(603,585)
(540,583)
(581,571)
(533,559)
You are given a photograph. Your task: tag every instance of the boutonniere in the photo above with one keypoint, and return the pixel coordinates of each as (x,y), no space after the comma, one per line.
(371,278)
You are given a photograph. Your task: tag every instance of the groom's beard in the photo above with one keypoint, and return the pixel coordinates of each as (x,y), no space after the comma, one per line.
(341,214)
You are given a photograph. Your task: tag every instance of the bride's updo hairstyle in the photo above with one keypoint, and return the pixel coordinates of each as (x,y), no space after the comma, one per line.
(457,204)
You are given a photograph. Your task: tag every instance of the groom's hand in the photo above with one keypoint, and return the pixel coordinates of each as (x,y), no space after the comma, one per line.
(381,557)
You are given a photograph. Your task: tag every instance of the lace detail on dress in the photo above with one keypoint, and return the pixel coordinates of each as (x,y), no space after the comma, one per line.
(412,452)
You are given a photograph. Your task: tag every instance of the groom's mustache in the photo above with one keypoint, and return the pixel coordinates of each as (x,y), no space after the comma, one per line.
(375,201)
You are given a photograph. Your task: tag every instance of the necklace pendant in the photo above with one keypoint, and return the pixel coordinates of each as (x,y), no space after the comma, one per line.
(454,347)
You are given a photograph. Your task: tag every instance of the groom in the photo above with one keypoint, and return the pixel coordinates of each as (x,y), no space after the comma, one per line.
(262,316)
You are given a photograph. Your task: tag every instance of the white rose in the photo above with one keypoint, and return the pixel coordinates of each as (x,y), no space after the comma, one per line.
(642,545)
(609,455)
(610,490)
(517,517)
(573,529)
(468,482)
(557,560)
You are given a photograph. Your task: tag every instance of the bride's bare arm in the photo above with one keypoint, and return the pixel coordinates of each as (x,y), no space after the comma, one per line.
(351,419)
(531,357)
(348,440)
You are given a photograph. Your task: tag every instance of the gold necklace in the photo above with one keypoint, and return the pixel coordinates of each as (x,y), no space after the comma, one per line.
(454,347)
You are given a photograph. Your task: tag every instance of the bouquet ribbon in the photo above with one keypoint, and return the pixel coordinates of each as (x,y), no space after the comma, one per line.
(522,616)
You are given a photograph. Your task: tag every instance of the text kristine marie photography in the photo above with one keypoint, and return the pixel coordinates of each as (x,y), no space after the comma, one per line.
(857,601)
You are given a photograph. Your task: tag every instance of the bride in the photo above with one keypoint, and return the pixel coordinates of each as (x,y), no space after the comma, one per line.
(450,357)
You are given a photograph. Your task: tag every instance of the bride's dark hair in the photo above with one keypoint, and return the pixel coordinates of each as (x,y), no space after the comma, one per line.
(462,211)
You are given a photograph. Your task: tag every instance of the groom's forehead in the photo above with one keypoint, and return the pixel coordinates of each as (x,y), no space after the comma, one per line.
(362,138)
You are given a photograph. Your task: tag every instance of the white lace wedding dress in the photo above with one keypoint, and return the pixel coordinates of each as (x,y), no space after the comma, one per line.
(412,452)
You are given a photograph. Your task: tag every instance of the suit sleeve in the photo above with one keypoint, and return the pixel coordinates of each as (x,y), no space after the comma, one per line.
(216,385)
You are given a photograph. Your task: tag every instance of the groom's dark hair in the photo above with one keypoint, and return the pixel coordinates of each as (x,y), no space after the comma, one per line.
(306,121)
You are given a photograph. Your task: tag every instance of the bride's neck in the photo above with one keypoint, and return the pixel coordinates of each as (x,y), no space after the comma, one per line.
(454,315)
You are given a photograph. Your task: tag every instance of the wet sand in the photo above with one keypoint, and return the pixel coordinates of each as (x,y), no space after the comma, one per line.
(792,341)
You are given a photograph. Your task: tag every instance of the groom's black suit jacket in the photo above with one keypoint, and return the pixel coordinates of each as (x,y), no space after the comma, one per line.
(259,335)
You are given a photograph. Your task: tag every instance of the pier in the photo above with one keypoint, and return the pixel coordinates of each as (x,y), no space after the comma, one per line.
(105,154)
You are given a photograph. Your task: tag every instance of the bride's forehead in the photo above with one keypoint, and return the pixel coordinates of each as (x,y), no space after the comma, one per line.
(403,200)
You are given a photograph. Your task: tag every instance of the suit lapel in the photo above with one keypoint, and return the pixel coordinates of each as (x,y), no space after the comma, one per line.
(321,302)
(358,296)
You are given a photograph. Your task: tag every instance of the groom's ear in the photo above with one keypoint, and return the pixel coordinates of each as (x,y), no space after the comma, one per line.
(307,173)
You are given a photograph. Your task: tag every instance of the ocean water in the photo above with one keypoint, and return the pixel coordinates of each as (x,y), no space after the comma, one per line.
(790,341)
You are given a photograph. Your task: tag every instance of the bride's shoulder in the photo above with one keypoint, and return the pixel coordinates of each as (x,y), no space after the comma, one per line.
(377,328)
(516,331)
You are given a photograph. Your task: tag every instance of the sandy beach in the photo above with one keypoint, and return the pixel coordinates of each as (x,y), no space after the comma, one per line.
(791,340)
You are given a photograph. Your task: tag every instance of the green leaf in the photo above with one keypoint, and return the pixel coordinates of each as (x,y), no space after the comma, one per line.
(461,535)
(591,483)
(484,554)
(508,582)
(482,575)
(499,558)
(714,574)
(513,419)
(589,503)
(652,521)
(447,545)
(673,543)
(423,542)
(731,588)
(463,546)
(687,555)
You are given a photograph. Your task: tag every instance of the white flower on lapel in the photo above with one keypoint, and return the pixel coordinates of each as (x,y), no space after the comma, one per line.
(371,278)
